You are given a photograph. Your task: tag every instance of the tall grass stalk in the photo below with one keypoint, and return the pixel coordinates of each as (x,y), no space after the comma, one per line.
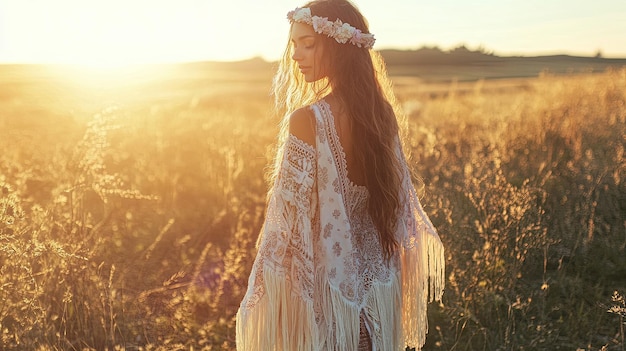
(135,229)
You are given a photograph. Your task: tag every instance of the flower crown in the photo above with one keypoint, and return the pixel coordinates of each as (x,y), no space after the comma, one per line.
(341,32)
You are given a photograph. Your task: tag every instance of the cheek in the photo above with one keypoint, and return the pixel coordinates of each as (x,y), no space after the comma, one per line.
(320,62)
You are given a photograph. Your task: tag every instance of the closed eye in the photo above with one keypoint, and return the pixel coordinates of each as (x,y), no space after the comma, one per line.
(307,40)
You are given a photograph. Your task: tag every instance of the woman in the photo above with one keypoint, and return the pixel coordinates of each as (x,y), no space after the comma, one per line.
(347,258)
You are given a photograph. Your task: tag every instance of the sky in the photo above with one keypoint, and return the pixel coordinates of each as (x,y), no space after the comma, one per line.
(117,32)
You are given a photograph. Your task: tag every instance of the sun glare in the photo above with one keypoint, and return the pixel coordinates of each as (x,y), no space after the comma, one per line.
(115,33)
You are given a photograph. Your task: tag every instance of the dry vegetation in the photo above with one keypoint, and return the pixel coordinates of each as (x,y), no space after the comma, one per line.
(133,227)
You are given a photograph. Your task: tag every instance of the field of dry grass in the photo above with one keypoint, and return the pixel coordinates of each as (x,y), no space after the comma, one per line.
(130,203)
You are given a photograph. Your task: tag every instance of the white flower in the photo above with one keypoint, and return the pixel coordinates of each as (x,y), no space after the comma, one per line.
(302,15)
(343,33)
(368,40)
(322,25)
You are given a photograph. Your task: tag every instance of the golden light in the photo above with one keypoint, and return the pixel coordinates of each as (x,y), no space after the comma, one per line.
(116,32)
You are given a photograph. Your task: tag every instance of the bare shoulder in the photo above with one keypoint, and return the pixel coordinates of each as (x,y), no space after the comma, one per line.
(302,125)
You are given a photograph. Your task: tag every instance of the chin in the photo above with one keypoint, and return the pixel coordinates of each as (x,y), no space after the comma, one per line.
(311,79)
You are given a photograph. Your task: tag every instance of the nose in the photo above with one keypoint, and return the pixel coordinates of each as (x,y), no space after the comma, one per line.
(296,55)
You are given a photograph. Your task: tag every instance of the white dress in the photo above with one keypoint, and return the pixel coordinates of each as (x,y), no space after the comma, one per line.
(319,270)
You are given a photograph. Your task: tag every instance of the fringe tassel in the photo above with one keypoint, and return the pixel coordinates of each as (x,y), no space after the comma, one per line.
(415,324)
(436,267)
(347,323)
(343,334)
(383,301)
(420,286)
(279,321)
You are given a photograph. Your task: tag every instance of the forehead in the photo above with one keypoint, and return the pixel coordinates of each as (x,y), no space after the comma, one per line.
(299,30)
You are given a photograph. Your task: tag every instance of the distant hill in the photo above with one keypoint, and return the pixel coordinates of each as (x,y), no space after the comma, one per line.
(427,64)
(462,64)
(435,56)
(433,64)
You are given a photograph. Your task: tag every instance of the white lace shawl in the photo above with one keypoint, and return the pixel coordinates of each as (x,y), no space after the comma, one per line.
(303,292)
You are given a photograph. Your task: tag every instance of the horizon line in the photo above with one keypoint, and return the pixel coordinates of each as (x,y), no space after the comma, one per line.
(598,55)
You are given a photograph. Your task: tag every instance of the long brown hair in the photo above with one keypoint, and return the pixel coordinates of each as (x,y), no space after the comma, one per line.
(357,77)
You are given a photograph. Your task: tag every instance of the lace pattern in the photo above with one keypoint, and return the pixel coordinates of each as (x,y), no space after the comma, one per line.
(319,274)
(369,256)
(286,226)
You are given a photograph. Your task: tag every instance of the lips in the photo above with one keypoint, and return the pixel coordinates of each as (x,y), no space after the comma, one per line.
(304,68)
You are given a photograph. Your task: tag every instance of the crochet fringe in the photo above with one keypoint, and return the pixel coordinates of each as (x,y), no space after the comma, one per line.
(282,321)
(383,300)
(421,287)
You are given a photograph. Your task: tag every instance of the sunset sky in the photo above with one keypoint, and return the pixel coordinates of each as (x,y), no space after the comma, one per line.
(114,32)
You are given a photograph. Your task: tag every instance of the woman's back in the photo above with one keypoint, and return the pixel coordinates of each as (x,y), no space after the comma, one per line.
(343,127)
(302,126)
(369,279)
